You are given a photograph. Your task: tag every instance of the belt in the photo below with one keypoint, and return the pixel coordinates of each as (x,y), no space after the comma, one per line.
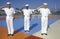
(9,15)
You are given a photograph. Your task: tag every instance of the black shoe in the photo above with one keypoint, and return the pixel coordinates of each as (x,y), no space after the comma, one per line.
(26,30)
(11,34)
(45,33)
(42,34)
(8,34)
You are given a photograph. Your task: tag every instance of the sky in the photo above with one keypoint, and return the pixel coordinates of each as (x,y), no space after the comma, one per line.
(33,3)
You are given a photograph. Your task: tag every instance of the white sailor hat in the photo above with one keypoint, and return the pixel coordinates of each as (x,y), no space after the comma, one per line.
(8,3)
(27,5)
(45,4)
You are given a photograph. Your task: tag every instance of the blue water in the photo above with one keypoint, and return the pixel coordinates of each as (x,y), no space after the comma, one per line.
(35,24)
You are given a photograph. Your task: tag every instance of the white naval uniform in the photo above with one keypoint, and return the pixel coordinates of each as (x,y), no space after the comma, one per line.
(44,19)
(9,19)
(27,13)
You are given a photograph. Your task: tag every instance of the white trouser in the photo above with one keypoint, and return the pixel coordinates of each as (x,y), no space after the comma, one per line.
(44,24)
(26,23)
(9,21)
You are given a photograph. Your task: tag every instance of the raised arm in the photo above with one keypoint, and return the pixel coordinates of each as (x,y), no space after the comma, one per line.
(21,10)
(38,8)
(1,8)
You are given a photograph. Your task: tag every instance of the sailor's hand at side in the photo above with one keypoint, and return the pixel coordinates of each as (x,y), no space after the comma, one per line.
(14,17)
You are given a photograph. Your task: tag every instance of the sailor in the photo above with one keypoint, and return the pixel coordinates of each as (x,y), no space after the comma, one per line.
(27,13)
(45,11)
(9,17)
